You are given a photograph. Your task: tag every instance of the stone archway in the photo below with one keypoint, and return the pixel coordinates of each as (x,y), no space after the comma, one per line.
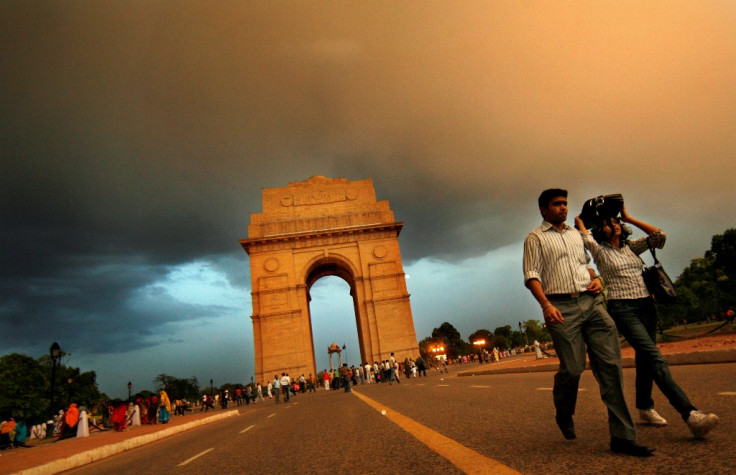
(311,229)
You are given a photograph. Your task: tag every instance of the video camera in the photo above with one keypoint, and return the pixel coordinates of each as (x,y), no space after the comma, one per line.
(601,207)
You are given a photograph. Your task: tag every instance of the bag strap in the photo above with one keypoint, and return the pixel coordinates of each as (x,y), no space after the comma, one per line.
(651,249)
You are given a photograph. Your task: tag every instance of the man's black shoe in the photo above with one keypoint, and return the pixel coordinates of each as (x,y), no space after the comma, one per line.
(566,426)
(629,447)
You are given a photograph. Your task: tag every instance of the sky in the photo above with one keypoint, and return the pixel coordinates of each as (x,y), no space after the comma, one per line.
(136,137)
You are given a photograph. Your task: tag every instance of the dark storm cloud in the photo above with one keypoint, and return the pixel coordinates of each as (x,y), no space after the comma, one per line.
(136,137)
(99,307)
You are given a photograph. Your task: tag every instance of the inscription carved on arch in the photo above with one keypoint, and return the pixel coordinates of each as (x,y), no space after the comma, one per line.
(318,198)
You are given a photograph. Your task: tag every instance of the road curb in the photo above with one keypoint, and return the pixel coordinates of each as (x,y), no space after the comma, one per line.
(675,359)
(99,453)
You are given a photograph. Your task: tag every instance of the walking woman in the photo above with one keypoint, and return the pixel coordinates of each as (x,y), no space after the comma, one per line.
(164,408)
(633,309)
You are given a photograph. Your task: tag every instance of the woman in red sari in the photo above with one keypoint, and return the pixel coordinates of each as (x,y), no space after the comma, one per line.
(143,406)
(118,417)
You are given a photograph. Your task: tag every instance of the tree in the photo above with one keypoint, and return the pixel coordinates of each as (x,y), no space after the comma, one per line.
(707,286)
(24,392)
(536,331)
(447,332)
(517,339)
(178,388)
(502,343)
(697,294)
(455,345)
(723,251)
(504,331)
(483,334)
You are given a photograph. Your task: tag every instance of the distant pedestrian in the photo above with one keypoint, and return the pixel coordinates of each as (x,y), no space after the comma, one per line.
(538,350)
(285,385)
(276,387)
(345,375)
(421,367)
(164,408)
(326,379)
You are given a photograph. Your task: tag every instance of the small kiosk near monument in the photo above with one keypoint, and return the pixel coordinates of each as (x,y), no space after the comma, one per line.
(312,229)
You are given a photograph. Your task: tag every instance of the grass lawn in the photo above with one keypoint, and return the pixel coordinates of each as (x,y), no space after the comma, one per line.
(696,330)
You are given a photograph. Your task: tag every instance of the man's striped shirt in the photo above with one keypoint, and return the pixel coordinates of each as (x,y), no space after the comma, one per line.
(557,259)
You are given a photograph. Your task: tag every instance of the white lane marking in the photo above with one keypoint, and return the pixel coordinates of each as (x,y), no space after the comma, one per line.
(443,385)
(195,457)
(271,415)
(480,386)
(727,393)
(246,429)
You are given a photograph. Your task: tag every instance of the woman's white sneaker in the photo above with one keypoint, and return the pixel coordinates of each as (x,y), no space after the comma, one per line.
(701,423)
(651,417)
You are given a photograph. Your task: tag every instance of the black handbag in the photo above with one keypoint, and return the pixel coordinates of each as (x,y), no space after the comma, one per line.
(658,282)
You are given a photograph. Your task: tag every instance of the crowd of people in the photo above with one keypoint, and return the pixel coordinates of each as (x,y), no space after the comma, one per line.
(77,421)
(157,408)
(12,434)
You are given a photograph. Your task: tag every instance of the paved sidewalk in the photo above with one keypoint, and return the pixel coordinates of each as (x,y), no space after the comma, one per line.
(50,456)
(706,350)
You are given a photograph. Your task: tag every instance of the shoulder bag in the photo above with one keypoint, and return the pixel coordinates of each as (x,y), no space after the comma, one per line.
(658,282)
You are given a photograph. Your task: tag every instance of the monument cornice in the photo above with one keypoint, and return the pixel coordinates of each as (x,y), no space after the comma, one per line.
(293,238)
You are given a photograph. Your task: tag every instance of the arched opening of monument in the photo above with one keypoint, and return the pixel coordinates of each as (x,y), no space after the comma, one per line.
(332,316)
(332,310)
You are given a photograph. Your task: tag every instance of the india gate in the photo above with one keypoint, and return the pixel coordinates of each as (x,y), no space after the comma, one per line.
(316,228)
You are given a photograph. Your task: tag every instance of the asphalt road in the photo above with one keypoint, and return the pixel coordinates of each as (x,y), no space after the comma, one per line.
(508,418)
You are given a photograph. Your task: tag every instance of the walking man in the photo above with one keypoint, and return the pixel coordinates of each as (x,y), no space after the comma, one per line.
(285,383)
(557,273)
(345,375)
(276,387)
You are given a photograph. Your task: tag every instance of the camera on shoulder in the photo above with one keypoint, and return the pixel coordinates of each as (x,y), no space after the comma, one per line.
(601,207)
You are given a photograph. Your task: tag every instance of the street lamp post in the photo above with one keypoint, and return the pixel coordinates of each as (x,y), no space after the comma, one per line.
(212,390)
(55,352)
(130,386)
(69,390)
(522,329)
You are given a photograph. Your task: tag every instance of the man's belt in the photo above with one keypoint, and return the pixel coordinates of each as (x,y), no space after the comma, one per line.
(569,296)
